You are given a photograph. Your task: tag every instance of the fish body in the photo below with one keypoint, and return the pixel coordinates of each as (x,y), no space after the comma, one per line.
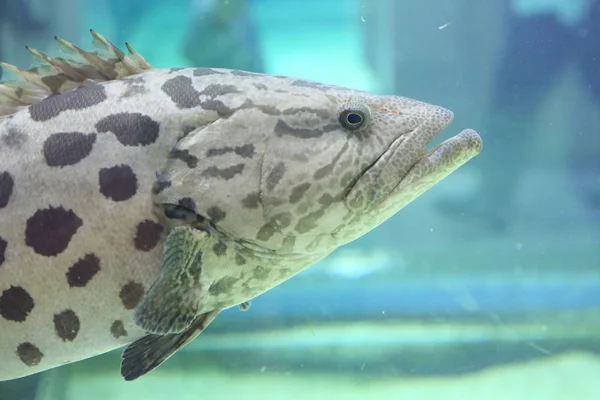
(137,203)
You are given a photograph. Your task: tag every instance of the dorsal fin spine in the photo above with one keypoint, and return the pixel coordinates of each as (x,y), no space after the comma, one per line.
(59,75)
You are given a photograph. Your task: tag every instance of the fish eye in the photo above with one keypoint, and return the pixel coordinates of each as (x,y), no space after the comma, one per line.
(352,119)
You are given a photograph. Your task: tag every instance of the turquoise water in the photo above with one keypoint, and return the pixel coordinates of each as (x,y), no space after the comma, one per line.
(486,287)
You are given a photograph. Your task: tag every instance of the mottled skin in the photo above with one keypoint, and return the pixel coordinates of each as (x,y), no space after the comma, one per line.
(267,169)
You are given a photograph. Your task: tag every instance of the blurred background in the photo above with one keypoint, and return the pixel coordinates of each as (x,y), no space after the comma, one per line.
(487,287)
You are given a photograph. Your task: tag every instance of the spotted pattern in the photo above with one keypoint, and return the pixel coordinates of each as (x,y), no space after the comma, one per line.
(239,260)
(309,221)
(261,272)
(298,191)
(29,354)
(210,103)
(131,294)
(275,175)
(3,244)
(205,72)
(222,286)
(161,183)
(15,304)
(13,139)
(83,270)
(224,173)
(282,128)
(131,129)
(243,73)
(117,329)
(216,89)
(147,235)
(252,200)
(215,214)
(182,92)
(245,151)
(66,325)
(220,248)
(67,148)
(118,183)
(74,100)
(7,184)
(261,86)
(48,231)
(135,86)
(265,233)
(185,156)
(328,169)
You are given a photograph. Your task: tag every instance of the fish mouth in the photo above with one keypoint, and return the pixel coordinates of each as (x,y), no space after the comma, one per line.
(396,167)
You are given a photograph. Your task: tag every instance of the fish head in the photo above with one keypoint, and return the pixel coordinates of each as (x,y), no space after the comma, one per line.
(294,166)
(349,160)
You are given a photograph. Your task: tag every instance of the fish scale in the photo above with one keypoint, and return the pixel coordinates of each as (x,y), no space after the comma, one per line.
(137,203)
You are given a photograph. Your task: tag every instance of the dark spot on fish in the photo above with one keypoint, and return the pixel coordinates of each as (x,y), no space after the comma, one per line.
(288,243)
(309,222)
(131,294)
(282,128)
(261,273)
(83,270)
(117,329)
(15,304)
(325,199)
(220,248)
(266,232)
(29,354)
(239,260)
(219,107)
(49,231)
(328,169)
(245,151)
(243,73)
(216,89)
(181,90)
(67,148)
(310,84)
(161,183)
(131,129)
(6,188)
(77,99)
(14,139)
(118,183)
(222,286)
(148,234)
(225,173)
(205,72)
(215,214)
(275,175)
(3,244)
(319,112)
(252,200)
(184,155)
(298,191)
(66,325)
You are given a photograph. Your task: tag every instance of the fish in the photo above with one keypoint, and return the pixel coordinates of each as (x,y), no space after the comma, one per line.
(137,203)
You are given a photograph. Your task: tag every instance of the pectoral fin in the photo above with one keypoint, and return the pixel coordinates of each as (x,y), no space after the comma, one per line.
(147,353)
(173,301)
